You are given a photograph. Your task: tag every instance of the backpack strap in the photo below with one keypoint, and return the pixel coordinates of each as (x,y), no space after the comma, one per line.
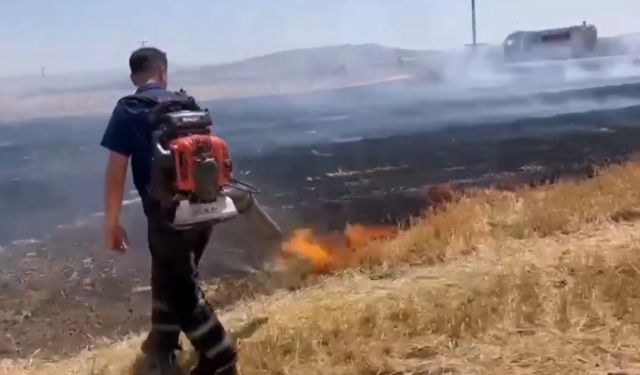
(144,99)
(156,108)
(179,97)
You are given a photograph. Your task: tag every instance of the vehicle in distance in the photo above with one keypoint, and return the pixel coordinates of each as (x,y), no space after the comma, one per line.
(551,44)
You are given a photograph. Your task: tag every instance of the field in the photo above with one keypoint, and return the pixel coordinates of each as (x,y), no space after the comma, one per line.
(532,281)
(513,247)
(94,293)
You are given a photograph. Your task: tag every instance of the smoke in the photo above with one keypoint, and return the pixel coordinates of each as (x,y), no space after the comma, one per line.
(469,86)
(383,92)
(484,67)
(472,68)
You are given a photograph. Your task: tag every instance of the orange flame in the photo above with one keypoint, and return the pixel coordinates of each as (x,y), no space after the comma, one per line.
(334,251)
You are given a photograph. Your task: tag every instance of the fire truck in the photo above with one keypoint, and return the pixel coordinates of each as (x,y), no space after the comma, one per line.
(551,44)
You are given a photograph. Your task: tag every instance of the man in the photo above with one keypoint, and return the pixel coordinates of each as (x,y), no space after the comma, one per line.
(178,303)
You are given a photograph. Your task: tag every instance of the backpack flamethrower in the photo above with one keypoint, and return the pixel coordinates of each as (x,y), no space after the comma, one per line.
(192,175)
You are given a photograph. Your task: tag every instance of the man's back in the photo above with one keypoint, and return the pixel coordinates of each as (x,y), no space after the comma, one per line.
(129,133)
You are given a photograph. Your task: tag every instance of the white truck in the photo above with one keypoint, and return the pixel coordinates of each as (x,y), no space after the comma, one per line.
(551,44)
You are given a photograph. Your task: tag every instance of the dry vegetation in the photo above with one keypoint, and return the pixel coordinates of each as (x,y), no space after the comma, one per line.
(536,281)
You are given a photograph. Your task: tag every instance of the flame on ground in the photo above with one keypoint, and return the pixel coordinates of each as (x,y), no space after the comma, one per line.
(334,251)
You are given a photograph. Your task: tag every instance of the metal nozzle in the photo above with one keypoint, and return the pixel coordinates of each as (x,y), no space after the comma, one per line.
(269,227)
(247,204)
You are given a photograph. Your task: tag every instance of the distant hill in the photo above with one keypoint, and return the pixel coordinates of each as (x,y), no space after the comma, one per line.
(291,71)
(302,68)
(285,72)
(344,61)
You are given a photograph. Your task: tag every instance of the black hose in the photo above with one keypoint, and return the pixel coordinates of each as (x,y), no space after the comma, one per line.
(244,186)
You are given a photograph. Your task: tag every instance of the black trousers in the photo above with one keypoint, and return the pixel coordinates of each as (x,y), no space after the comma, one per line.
(178,302)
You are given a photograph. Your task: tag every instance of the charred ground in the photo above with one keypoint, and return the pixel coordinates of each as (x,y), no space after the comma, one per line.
(72,284)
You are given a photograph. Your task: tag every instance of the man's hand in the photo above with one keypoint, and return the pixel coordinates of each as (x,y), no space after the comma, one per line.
(117,239)
(115,177)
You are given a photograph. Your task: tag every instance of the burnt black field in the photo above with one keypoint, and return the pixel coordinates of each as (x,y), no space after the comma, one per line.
(321,160)
(51,175)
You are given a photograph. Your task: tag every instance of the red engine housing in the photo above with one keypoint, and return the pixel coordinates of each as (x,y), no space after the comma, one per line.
(187,149)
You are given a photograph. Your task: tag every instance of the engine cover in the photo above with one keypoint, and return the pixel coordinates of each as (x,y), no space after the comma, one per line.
(191,167)
(187,214)
(203,166)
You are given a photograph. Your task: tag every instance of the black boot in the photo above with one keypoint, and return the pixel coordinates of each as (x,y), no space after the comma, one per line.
(159,360)
(207,366)
(160,363)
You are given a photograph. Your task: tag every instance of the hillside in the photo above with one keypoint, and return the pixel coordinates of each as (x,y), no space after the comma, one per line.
(293,71)
(311,63)
(365,61)
(307,70)
(530,281)
(284,72)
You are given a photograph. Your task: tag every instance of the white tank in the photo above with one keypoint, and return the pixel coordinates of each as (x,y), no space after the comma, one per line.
(550,44)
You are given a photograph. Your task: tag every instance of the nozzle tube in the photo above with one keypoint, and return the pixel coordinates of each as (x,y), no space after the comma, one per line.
(270,228)
(246,203)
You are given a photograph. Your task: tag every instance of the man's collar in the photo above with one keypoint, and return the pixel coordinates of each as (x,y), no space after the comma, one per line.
(148,86)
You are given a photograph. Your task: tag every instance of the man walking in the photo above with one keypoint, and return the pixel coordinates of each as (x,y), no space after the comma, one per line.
(178,302)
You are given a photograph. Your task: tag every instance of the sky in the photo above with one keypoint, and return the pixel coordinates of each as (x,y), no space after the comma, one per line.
(85,35)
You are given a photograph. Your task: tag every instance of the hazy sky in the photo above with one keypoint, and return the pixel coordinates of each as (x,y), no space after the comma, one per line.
(72,35)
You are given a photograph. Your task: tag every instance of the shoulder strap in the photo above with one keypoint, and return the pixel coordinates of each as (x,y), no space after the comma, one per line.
(156,108)
(180,98)
(144,99)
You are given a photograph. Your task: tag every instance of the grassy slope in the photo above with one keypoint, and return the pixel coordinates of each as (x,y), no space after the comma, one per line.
(534,281)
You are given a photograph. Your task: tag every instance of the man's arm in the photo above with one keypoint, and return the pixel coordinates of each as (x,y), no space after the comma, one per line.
(115,178)
(118,140)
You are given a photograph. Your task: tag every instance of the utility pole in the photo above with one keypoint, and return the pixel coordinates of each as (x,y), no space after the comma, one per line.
(473,21)
(43,72)
(143,42)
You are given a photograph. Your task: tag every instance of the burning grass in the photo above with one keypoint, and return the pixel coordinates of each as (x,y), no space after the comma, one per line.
(533,281)
(570,308)
(555,305)
(330,252)
(478,218)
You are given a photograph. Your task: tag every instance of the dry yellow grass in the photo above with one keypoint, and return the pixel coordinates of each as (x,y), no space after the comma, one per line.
(563,297)
(538,281)
(489,217)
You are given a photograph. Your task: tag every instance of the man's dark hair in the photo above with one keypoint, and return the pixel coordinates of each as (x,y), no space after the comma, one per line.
(146,60)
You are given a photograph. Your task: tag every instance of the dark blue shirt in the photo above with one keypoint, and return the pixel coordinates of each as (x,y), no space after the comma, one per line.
(129,133)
